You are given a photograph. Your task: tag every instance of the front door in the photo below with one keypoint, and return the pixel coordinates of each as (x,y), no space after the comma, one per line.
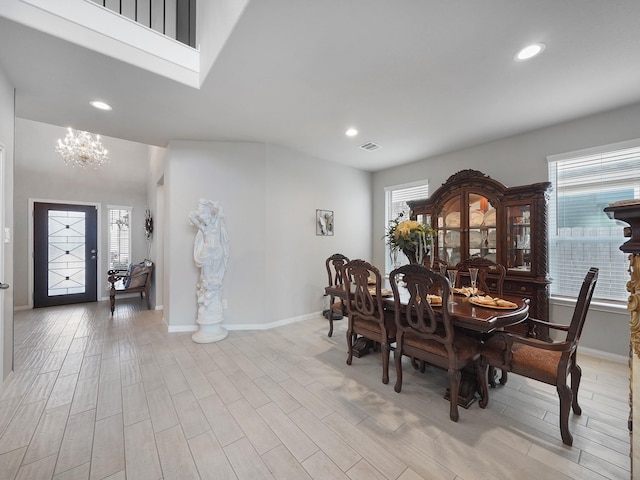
(64,254)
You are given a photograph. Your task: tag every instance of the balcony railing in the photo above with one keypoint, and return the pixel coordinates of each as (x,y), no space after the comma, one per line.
(173,18)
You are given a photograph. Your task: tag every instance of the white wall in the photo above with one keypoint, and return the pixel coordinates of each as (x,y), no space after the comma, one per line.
(269,196)
(296,186)
(215,23)
(521,160)
(7,276)
(42,175)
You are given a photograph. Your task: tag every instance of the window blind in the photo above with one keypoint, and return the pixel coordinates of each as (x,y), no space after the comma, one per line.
(581,235)
(119,237)
(396,203)
(398,199)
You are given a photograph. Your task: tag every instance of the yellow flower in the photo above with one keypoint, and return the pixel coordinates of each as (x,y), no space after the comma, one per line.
(405,228)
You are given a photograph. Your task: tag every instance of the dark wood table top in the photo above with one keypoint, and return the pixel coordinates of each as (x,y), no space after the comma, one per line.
(467,315)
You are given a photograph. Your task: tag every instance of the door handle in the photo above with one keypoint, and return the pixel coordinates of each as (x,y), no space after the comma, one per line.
(4,286)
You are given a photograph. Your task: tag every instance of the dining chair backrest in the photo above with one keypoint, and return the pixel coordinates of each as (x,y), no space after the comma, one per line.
(413,313)
(490,274)
(363,284)
(334,266)
(582,305)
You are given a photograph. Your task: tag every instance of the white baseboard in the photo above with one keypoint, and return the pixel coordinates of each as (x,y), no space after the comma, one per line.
(612,357)
(21,307)
(277,323)
(182,328)
(249,326)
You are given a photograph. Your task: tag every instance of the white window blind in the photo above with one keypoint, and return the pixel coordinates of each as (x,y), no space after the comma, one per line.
(581,235)
(119,237)
(396,203)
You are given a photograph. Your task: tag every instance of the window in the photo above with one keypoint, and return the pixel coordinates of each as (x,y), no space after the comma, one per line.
(119,237)
(581,235)
(396,203)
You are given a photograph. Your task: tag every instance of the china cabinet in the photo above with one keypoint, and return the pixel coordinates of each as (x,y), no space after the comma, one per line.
(477,216)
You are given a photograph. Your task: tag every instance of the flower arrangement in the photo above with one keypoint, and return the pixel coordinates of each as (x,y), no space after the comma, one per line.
(411,237)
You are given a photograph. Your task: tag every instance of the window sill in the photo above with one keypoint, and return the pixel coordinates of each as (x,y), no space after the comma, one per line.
(599,305)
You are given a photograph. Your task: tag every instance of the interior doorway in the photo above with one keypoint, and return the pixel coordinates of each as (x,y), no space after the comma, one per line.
(65,252)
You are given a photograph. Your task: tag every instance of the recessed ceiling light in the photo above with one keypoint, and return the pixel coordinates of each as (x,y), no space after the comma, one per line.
(100,105)
(530,51)
(352,132)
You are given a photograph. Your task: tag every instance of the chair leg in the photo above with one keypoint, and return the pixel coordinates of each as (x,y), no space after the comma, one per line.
(349,346)
(565,395)
(397,356)
(454,385)
(576,375)
(330,316)
(385,362)
(503,377)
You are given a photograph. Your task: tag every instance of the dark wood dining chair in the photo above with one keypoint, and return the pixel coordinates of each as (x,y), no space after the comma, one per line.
(336,309)
(490,281)
(365,311)
(490,274)
(428,335)
(548,362)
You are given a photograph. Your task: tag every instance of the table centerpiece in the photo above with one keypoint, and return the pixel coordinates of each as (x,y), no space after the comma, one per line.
(413,238)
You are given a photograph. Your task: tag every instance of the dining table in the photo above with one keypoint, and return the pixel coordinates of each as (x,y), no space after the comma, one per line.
(481,319)
(466,314)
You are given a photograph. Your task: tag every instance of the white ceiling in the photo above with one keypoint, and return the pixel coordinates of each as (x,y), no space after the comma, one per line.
(418,77)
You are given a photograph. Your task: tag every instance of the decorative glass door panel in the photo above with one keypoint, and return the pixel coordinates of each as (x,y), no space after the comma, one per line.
(450,232)
(482,228)
(64,254)
(66,271)
(519,238)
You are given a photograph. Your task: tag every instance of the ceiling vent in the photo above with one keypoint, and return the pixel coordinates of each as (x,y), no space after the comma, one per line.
(370,146)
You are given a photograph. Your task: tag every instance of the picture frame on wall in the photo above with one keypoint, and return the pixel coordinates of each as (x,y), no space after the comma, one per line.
(324,222)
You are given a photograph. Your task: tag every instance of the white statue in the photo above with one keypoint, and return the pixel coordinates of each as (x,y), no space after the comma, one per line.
(211,253)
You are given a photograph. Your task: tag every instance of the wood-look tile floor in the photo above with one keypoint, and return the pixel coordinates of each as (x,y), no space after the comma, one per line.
(96,397)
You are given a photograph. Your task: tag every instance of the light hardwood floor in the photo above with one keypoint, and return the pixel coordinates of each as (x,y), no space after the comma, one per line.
(120,398)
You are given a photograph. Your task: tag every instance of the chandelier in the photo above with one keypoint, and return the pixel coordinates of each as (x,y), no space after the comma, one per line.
(80,149)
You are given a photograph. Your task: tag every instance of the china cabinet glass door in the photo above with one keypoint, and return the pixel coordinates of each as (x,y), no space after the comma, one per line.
(450,231)
(482,228)
(519,238)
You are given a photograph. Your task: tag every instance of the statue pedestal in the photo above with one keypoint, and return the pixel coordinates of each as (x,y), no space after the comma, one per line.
(210,326)
(209,333)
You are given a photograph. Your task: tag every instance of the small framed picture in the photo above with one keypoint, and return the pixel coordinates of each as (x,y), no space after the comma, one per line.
(324,222)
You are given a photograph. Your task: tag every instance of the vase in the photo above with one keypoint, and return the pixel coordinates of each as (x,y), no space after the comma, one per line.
(411,255)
